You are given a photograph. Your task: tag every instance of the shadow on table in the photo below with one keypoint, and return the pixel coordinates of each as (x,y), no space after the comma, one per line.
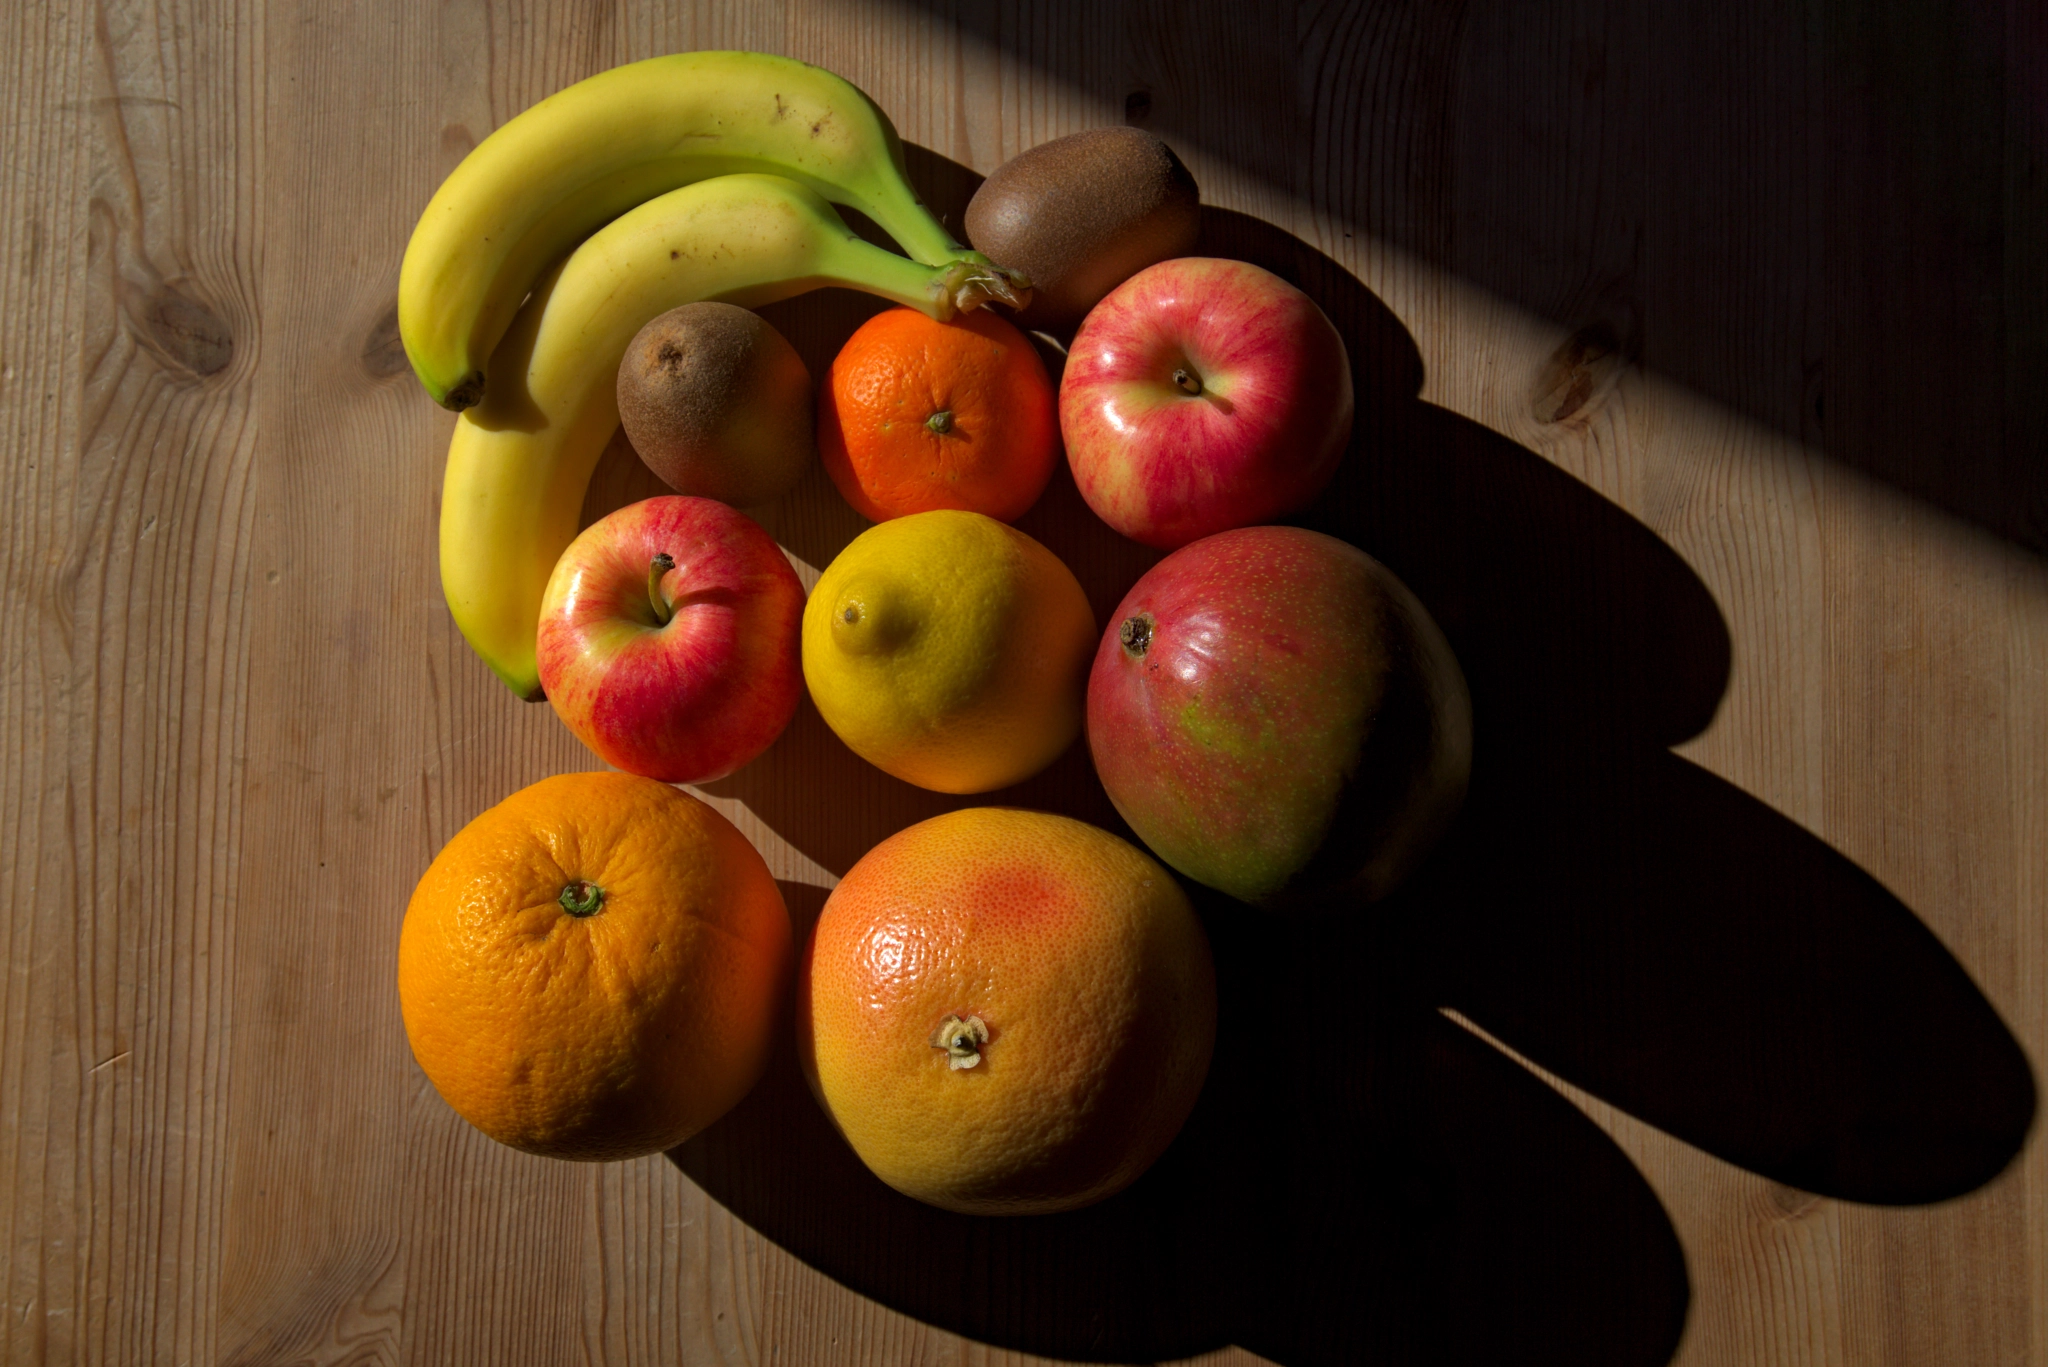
(1829,218)
(1358,1177)
(1363,1178)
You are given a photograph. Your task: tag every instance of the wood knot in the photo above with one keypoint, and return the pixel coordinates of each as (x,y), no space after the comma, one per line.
(383,352)
(1789,1203)
(184,332)
(456,142)
(1579,374)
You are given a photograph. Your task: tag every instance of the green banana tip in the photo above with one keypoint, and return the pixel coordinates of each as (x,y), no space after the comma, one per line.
(524,683)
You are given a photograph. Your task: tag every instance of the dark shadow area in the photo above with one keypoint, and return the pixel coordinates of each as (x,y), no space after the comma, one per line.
(1362,1179)
(1667,942)
(1635,924)
(1832,218)
(1579,630)
(835,806)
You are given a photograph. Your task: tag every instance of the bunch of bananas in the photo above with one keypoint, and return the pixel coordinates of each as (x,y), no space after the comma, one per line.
(504,322)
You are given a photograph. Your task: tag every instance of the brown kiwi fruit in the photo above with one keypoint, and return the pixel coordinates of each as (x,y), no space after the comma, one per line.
(1082,214)
(718,403)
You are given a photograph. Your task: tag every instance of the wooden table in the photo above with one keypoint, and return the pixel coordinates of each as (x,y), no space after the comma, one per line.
(1702,351)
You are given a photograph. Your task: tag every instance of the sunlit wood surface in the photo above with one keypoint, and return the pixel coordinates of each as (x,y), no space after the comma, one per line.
(1703,358)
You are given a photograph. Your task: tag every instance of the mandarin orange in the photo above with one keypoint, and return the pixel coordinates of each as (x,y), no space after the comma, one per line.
(1007,1012)
(916,415)
(591,968)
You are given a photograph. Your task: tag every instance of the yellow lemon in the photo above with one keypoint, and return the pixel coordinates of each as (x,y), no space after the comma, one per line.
(950,650)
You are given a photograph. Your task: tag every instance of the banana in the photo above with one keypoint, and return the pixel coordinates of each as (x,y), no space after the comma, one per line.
(541,183)
(521,460)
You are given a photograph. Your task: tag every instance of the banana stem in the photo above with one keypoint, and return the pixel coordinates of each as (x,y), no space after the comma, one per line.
(972,284)
(944,292)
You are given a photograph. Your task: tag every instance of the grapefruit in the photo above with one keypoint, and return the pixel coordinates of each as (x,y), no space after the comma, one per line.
(1007,1012)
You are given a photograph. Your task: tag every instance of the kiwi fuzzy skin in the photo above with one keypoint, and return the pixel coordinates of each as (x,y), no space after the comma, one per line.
(1082,214)
(718,404)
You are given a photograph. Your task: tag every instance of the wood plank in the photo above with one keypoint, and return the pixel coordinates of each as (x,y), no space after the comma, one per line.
(1751,294)
(129,350)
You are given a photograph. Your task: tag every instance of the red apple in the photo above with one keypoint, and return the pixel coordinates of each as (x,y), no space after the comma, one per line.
(669,639)
(1276,715)
(1203,394)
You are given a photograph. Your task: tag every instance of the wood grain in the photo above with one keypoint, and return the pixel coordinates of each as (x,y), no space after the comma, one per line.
(1696,320)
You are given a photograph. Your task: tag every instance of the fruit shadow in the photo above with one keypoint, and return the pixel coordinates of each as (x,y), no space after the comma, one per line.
(1353,1178)
(1861,274)
(1618,915)
(1361,1176)
(1638,925)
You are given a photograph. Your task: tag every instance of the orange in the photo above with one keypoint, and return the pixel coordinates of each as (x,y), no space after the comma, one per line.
(591,968)
(1007,1012)
(915,415)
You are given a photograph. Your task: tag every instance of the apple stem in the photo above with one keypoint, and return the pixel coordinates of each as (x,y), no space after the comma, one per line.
(663,563)
(1136,634)
(1188,382)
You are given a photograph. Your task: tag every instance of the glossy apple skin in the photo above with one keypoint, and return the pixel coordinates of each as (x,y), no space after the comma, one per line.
(1260,439)
(692,700)
(1284,723)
